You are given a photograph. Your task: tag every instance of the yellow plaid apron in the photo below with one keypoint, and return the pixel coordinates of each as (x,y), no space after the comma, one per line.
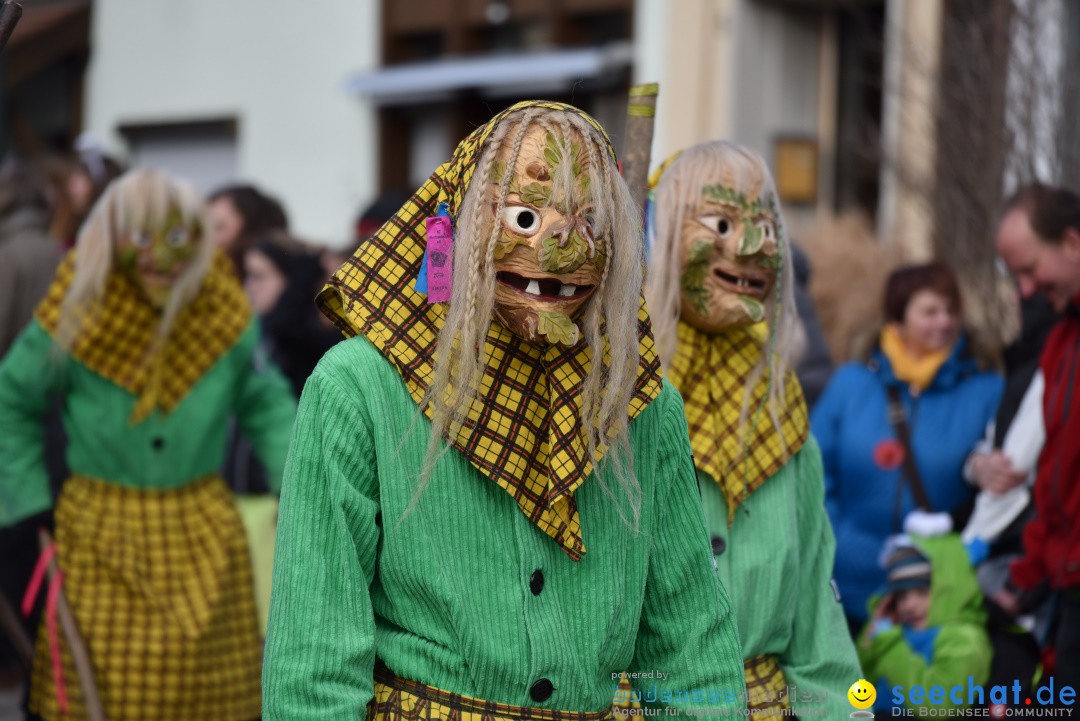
(765,689)
(115,338)
(398,699)
(711,373)
(160,585)
(525,433)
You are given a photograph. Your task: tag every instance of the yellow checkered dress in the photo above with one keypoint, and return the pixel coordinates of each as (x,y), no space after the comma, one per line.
(766,689)
(525,435)
(711,372)
(160,585)
(398,699)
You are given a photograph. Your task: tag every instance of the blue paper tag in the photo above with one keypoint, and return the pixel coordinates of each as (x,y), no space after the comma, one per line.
(650,224)
(421,280)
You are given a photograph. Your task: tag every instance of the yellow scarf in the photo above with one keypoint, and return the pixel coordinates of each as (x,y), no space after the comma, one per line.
(918,372)
(115,338)
(711,372)
(524,434)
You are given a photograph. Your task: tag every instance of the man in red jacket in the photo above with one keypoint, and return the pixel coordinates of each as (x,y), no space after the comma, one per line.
(1039,239)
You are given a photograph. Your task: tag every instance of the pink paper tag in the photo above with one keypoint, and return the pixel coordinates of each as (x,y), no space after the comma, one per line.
(440,263)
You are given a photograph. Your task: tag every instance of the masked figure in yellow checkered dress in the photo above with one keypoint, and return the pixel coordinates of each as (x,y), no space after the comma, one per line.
(720,290)
(462,531)
(149,341)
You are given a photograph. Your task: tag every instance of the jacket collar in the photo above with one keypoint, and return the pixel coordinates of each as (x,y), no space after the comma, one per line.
(959,366)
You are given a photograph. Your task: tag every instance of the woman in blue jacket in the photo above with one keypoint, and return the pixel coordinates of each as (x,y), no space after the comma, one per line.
(923,353)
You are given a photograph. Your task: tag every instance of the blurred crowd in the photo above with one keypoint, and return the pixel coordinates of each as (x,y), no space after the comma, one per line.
(925,435)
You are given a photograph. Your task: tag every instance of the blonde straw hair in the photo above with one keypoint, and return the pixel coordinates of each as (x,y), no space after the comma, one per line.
(678,193)
(139,200)
(609,322)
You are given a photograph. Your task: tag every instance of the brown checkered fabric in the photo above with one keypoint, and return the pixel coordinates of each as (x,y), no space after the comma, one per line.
(766,687)
(525,434)
(711,373)
(398,699)
(160,585)
(115,337)
(627,697)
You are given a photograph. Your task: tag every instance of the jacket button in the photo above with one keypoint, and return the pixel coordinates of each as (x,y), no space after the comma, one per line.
(536,582)
(158,443)
(541,690)
(718,545)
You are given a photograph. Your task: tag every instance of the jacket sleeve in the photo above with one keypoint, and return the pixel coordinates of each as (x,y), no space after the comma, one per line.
(820,657)
(1028,571)
(265,407)
(320,650)
(30,375)
(961,650)
(687,627)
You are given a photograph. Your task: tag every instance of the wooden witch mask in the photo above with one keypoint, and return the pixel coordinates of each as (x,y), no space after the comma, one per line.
(549,259)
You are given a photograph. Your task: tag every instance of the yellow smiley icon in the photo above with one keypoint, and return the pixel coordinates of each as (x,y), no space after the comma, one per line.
(862,694)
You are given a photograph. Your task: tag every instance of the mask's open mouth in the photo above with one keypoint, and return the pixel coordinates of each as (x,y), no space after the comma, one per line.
(741,284)
(546,289)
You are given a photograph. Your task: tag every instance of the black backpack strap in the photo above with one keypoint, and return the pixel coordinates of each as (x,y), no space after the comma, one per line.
(909,472)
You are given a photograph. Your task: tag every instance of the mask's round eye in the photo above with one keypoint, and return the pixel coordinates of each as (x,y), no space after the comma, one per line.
(177,236)
(719,224)
(140,239)
(590,218)
(768,232)
(520,219)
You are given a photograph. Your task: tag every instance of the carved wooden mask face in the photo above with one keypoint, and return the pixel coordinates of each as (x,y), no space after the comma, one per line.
(730,254)
(548,261)
(154,259)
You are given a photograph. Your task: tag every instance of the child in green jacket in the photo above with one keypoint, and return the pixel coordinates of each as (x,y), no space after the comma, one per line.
(929,629)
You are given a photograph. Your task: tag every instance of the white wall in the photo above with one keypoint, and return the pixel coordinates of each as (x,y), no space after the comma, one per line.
(734,69)
(278,67)
(776,87)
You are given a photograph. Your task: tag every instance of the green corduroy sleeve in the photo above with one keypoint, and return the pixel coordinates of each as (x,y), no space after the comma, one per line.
(30,375)
(264,406)
(960,650)
(820,658)
(320,641)
(687,627)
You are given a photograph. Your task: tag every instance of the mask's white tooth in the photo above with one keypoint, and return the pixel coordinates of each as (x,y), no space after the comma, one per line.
(567,290)
(533,288)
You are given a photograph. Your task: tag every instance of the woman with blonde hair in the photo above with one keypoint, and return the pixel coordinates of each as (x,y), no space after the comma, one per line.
(721,294)
(150,341)
(489,507)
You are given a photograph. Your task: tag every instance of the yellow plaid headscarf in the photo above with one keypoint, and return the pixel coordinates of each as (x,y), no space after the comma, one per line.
(116,336)
(524,433)
(711,372)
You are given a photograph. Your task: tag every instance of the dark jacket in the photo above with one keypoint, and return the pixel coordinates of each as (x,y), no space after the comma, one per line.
(28,260)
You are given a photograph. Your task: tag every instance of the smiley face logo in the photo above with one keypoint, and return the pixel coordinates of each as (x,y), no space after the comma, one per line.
(862,694)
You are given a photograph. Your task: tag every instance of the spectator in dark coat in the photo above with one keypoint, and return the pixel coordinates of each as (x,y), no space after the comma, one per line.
(816,365)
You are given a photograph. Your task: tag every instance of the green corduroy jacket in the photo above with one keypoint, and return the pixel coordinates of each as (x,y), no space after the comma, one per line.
(162,452)
(463,593)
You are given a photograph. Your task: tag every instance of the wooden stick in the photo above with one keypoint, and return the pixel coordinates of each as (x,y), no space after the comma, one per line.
(79,654)
(10,12)
(639,135)
(22,642)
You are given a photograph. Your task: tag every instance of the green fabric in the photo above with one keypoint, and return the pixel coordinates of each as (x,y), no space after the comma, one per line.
(163,452)
(962,647)
(777,566)
(442,595)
